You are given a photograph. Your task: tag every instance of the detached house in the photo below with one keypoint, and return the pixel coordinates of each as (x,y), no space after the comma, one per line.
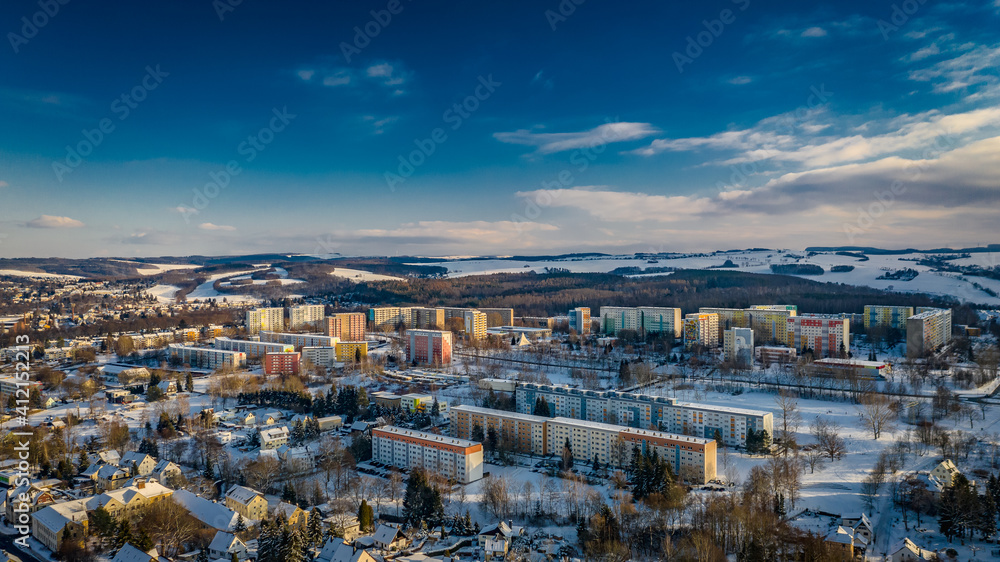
(247,502)
(224,545)
(141,463)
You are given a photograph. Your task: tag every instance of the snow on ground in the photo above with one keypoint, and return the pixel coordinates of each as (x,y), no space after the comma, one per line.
(358,275)
(163,293)
(154,268)
(863,274)
(206,291)
(37,274)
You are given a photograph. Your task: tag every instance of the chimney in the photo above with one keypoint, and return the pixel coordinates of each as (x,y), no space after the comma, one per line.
(140,483)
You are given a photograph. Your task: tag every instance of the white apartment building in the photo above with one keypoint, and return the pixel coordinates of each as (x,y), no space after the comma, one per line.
(737,345)
(206,357)
(306,315)
(299,340)
(252,348)
(265,319)
(458,459)
(323,356)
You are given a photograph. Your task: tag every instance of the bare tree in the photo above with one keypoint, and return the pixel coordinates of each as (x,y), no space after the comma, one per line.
(876,413)
(788,407)
(496,498)
(828,439)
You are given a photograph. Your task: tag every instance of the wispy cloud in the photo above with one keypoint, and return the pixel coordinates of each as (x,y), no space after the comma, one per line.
(210,226)
(49,221)
(548,143)
(814,32)
(740,80)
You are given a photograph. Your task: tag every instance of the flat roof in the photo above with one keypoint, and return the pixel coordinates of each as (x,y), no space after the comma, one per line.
(629,430)
(498,413)
(928,313)
(727,409)
(858,362)
(443,439)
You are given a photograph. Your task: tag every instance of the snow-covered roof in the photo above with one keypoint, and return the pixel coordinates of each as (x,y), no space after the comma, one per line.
(129,553)
(223,541)
(242,494)
(286,509)
(213,514)
(386,534)
(134,457)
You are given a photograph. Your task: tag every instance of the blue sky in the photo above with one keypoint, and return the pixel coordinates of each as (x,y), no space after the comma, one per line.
(579,126)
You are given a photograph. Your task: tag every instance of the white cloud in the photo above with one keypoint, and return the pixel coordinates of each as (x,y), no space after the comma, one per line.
(740,80)
(379,125)
(973,70)
(925,52)
(306,74)
(49,221)
(548,143)
(184,210)
(814,32)
(4,184)
(615,206)
(387,74)
(210,226)
(338,78)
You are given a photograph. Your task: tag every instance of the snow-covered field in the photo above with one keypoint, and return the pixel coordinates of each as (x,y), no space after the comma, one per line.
(864,273)
(206,291)
(154,268)
(359,275)
(163,293)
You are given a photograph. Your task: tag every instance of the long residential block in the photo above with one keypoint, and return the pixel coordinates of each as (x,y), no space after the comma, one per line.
(458,459)
(206,357)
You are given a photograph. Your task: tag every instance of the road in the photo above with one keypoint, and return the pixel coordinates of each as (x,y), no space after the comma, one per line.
(7,543)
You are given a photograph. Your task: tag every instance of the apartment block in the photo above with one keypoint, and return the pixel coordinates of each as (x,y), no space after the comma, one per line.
(692,457)
(579,320)
(427,318)
(390,316)
(877,315)
(265,319)
(458,459)
(323,356)
(286,363)
(545,322)
(475,324)
(826,336)
(348,326)
(737,345)
(252,348)
(768,321)
(850,368)
(496,317)
(650,319)
(771,354)
(298,340)
(304,315)
(206,357)
(643,411)
(349,351)
(927,330)
(524,432)
(701,329)
(429,347)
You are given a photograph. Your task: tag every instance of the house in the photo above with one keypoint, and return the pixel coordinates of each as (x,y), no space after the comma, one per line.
(247,502)
(907,551)
(945,472)
(330,423)
(140,463)
(860,524)
(167,387)
(108,456)
(212,514)
(247,418)
(496,549)
(264,418)
(273,437)
(503,530)
(300,457)
(844,544)
(294,515)
(111,477)
(165,470)
(389,537)
(28,499)
(129,553)
(336,550)
(224,437)
(50,402)
(224,545)
(359,426)
(51,524)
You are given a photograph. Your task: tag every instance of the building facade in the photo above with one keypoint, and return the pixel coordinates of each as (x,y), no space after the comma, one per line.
(297,340)
(887,316)
(206,357)
(265,319)
(458,459)
(826,336)
(579,320)
(349,351)
(475,324)
(927,331)
(303,315)
(428,347)
(737,345)
(348,326)
(286,363)
(701,329)
(252,348)
(651,319)
(524,433)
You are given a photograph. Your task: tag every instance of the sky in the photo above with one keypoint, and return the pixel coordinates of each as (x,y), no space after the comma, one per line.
(415,127)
